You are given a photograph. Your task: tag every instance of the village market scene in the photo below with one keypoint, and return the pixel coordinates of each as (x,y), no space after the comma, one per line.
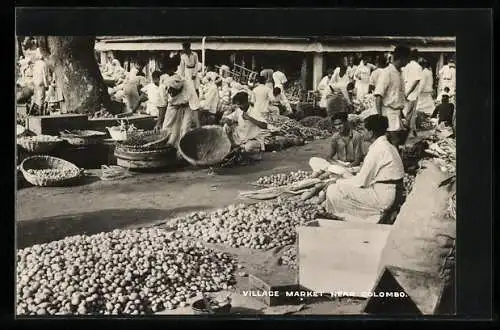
(235,175)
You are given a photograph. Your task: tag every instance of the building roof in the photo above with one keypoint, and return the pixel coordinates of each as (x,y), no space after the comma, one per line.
(262,43)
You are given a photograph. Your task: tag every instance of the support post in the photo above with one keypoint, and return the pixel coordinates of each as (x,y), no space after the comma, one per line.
(317,69)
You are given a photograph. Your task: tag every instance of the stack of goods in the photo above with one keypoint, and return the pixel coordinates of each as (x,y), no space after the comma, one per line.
(115,273)
(293,127)
(289,257)
(293,94)
(444,152)
(424,121)
(283,179)
(263,225)
(102,114)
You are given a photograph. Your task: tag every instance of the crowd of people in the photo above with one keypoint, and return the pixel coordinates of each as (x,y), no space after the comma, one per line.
(398,86)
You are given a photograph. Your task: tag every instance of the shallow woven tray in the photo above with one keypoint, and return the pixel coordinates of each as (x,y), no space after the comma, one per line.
(37,146)
(83,137)
(48,162)
(205,146)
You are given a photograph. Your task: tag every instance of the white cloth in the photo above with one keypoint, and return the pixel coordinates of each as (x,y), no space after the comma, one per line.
(189,68)
(131,91)
(339,83)
(157,98)
(262,95)
(211,98)
(374,76)
(362,77)
(324,90)
(245,130)
(447,78)
(390,87)
(279,79)
(361,197)
(413,73)
(40,73)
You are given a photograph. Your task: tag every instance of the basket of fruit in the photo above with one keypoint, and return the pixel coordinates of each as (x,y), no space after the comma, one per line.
(83,137)
(212,305)
(38,143)
(122,131)
(46,171)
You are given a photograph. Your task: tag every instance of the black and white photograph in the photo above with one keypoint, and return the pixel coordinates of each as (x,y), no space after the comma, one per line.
(235,175)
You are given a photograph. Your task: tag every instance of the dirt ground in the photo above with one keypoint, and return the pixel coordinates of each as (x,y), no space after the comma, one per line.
(47,214)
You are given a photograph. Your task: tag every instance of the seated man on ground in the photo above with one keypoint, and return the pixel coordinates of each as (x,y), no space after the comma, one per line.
(367,195)
(346,142)
(444,111)
(246,128)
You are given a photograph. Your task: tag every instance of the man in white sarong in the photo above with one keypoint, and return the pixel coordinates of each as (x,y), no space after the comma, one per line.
(182,104)
(40,82)
(262,96)
(324,89)
(390,95)
(367,195)
(425,102)
(246,127)
(412,90)
(189,66)
(362,78)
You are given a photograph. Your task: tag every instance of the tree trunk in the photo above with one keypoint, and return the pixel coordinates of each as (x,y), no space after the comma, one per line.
(77,73)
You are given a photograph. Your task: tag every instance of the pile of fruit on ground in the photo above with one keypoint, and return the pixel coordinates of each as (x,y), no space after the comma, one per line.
(120,272)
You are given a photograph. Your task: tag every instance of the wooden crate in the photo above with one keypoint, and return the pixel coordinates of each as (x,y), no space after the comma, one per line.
(338,256)
(263,284)
(52,125)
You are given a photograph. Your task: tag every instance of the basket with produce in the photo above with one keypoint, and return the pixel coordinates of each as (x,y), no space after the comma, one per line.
(45,171)
(121,132)
(38,143)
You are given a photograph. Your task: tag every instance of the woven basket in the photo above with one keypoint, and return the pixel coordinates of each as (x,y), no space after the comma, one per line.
(205,146)
(83,137)
(35,146)
(48,162)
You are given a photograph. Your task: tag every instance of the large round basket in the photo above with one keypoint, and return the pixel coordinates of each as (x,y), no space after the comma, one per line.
(200,308)
(48,162)
(83,137)
(35,146)
(205,146)
(151,159)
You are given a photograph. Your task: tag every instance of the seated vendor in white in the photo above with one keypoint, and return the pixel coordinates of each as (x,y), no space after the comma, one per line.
(365,196)
(246,128)
(346,143)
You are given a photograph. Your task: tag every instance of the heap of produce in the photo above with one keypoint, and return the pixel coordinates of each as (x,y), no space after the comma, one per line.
(144,141)
(311,121)
(289,257)
(54,173)
(119,272)
(293,127)
(263,225)
(283,179)
(444,152)
(101,114)
(408,181)
(424,121)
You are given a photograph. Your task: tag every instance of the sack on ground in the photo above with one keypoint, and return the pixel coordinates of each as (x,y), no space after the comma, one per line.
(423,236)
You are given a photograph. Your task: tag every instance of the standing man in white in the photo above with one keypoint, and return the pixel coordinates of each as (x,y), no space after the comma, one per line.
(413,78)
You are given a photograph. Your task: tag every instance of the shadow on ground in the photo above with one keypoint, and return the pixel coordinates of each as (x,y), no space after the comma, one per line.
(55,228)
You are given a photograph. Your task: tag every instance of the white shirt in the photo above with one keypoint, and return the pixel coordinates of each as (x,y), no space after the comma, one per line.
(374,76)
(211,100)
(279,79)
(426,84)
(323,84)
(245,129)
(362,73)
(413,72)
(262,95)
(40,73)
(157,97)
(339,82)
(382,163)
(390,87)
(282,100)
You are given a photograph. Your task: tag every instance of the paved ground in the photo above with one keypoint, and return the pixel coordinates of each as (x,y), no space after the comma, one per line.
(47,214)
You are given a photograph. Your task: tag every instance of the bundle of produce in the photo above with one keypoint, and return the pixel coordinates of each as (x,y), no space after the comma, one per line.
(444,152)
(119,272)
(408,181)
(280,142)
(283,179)
(121,132)
(101,114)
(262,225)
(310,121)
(289,257)
(109,173)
